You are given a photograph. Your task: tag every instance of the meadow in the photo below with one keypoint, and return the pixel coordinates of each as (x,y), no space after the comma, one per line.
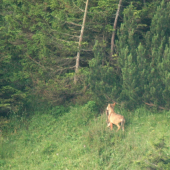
(79,140)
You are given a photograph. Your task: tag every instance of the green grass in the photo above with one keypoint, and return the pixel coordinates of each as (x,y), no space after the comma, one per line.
(80,140)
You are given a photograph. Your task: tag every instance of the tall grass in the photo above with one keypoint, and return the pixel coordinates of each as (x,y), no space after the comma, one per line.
(79,139)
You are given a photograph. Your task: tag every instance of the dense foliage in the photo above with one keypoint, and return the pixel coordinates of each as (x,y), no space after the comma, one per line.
(145,59)
(38,46)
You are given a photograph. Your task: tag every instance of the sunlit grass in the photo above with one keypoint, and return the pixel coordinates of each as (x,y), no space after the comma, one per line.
(80,139)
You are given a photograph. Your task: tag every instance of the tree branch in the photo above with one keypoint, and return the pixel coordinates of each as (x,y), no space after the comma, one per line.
(38,63)
(153,105)
(72,23)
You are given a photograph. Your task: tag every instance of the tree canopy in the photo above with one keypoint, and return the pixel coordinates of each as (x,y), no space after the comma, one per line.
(39,42)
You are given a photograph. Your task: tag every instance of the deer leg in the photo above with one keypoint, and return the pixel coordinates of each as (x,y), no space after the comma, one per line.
(118,127)
(123,128)
(111,126)
(122,124)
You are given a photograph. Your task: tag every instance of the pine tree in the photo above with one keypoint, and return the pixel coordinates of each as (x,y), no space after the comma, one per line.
(164,68)
(127,44)
(144,66)
(157,42)
(102,78)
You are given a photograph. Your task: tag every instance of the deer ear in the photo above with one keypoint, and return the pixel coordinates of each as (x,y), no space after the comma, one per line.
(114,104)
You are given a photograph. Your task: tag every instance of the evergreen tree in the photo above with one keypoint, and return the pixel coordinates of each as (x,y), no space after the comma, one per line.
(127,43)
(12,93)
(41,44)
(39,41)
(102,78)
(145,76)
(164,68)
(157,42)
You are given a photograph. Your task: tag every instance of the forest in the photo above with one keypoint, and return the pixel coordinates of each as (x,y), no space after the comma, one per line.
(62,62)
(125,61)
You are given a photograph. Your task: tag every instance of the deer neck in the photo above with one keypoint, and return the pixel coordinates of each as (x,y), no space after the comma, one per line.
(112,111)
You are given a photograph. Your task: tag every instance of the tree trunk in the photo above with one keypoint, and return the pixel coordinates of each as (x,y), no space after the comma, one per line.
(114,29)
(79,46)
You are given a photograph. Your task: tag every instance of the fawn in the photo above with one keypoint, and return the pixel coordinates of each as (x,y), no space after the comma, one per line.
(114,118)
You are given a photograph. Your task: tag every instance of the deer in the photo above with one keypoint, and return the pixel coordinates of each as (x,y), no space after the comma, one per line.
(114,118)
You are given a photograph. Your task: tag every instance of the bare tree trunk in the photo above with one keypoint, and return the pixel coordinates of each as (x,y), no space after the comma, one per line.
(114,29)
(79,46)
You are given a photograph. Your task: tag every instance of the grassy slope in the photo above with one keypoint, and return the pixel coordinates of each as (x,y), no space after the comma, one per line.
(77,140)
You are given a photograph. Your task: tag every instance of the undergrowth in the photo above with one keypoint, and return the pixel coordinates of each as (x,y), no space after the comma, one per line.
(79,139)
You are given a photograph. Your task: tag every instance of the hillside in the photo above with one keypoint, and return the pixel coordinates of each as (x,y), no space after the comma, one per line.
(62,62)
(79,139)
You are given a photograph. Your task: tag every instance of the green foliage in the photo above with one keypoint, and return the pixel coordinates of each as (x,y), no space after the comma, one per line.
(128,61)
(91,105)
(101,77)
(142,60)
(157,41)
(38,45)
(128,37)
(59,110)
(33,55)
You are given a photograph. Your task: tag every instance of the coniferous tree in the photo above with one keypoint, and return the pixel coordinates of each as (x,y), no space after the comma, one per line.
(164,68)
(145,75)
(157,40)
(102,78)
(42,41)
(126,46)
